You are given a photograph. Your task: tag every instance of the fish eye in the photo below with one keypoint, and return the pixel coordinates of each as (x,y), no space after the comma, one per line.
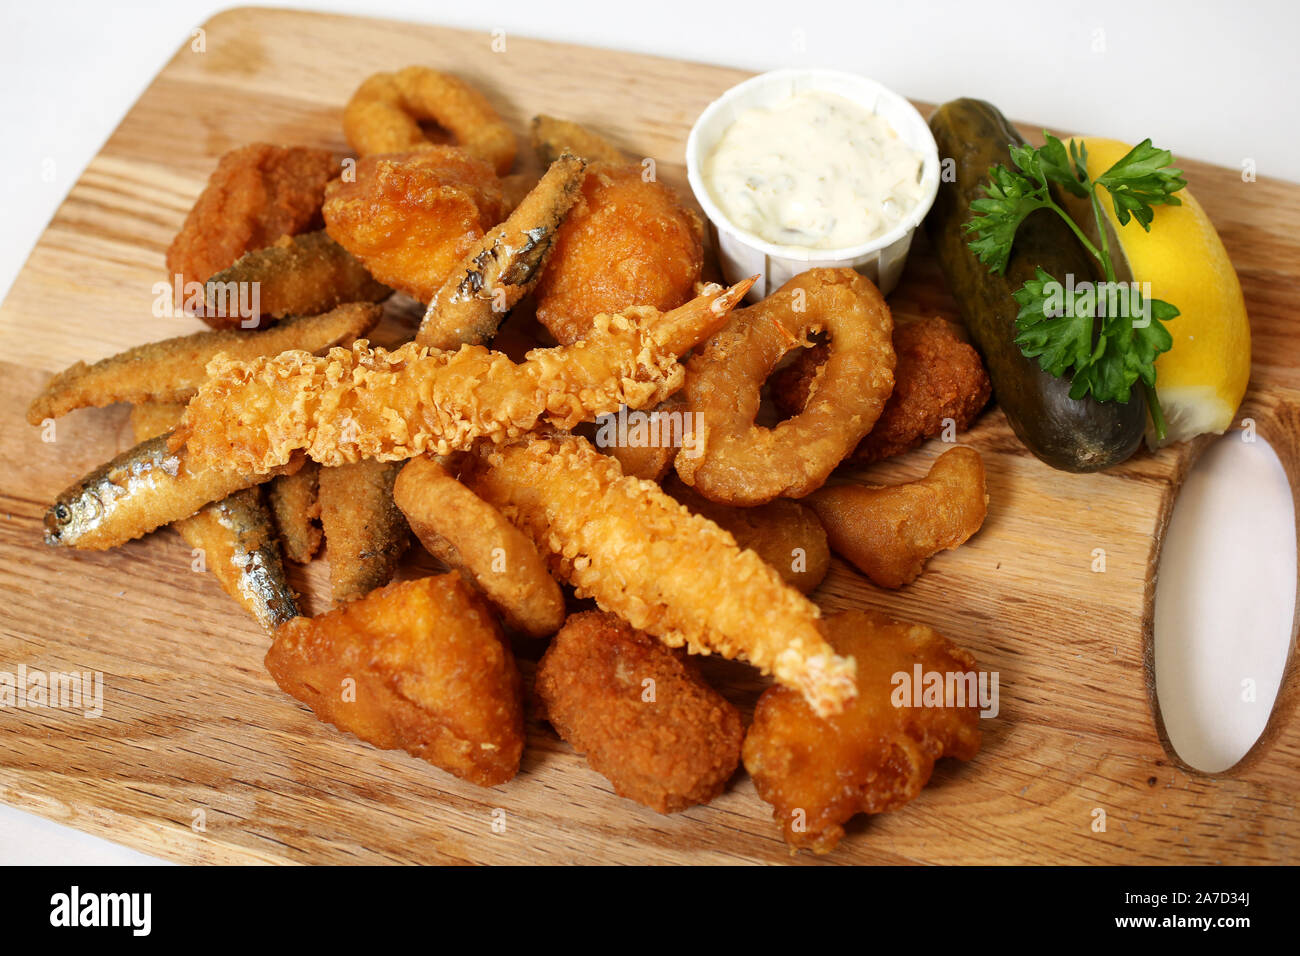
(61,512)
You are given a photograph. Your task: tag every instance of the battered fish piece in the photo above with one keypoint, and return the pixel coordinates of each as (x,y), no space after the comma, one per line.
(818,772)
(257,194)
(295,507)
(625,242)
(504,267)
(641,713)
(364,530)
(939,376)
(234,535)
(296,275)
(432,675)
(390,406)
(173,369)
(552,138)
(467,534)
(889,533)
(644,556)
(786,534)
(411,218)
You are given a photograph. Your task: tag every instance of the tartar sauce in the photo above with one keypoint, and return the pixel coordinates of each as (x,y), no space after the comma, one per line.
(815,170)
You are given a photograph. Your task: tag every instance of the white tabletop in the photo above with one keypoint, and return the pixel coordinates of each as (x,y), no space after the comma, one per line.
(1213,81)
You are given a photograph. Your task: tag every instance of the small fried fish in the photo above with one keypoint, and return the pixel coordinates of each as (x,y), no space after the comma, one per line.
(365,532)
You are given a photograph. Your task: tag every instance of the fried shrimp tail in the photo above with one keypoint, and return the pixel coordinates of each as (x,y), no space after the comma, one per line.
(644,556)
(297,275)
(390,406)
(467,534)
(365,533)
(173,369)
(504,266)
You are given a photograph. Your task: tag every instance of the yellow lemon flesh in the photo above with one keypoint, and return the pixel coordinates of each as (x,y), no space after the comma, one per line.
(1201,380)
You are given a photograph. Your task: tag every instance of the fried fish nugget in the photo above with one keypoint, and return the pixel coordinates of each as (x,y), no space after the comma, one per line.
(889,533)
(786,534)
(384,116)
(939,377)
(296,275)
(818,772)
(625,242)
(552,138)
(641,713)
(432,675)
(411,218)
(257,194)
(467,534)
(234,535)
(365,532)
(644,556)
(173,369)
(295,507)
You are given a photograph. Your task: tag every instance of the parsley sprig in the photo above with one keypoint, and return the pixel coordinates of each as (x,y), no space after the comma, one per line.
(1073,333)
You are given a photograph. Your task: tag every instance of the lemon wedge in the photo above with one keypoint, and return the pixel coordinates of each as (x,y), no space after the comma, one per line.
(1201,380)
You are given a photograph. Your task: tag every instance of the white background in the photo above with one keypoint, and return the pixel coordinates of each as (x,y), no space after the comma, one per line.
(1214,81)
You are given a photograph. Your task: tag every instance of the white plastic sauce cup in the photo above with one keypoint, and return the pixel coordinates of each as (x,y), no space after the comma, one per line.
(743,254)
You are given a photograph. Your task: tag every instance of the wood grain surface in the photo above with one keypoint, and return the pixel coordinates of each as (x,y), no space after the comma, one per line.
(195,732)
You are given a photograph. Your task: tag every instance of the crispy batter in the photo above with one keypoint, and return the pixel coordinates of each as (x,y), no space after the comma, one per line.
(666,432)
(412,217)
(504,266)
(368,403)
(365,532)
(467,534)
(786,534)
(625,242)
(143,488)
(384,113)
(938,377)
(742,463)
(234,536)
(296,275)
(552,138)
(889,533)
(257,194)
(818,772)
(430,674)
(173,369)
(295,507)
(641,713)
(644,556)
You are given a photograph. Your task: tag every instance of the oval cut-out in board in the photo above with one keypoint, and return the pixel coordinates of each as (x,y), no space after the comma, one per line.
(1225,602)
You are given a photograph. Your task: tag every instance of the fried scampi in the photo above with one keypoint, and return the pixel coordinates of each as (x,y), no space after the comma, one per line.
(296,275)
(627,241)
(143,488)
(640,712)
(173,369)
(504,266)
(889,533)
(257,194)
(786,534)
(411,218)
(365,533)
(295,507)
(938,379)
(234,536)
(432,676)
(467,534)
(644,556)
(384,116)
(369,403)
(742,463)
(875,756)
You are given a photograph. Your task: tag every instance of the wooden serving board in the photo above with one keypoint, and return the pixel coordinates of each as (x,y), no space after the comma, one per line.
(195,731)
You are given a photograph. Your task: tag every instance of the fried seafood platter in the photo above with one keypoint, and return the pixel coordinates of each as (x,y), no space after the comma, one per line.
(501,528)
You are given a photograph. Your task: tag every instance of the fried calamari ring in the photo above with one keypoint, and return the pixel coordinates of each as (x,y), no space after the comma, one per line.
(744,464)
(469,535)
(384,116)
(411,218)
